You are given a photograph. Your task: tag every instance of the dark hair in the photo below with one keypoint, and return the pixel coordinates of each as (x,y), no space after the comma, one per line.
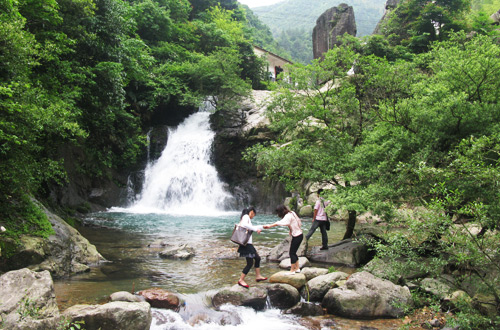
(247,211)
(282,210)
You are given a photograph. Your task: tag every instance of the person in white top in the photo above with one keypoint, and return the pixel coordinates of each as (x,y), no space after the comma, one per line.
(248,251)
(320,219)
(294,224)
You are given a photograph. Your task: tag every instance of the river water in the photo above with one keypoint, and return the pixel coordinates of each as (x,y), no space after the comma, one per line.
(183,201)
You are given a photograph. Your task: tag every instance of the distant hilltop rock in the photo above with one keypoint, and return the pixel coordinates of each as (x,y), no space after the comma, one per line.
(390,5)
(330,25)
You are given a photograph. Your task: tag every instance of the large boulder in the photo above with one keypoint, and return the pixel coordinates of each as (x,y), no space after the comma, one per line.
(384,269)
(365,296)
(177,252)
(112,316)
(281,251)
(287,263)
(27,300)
(312,272)
(305,309)
(306,211)
(282,295)
(66,252)
(332,24)
(345,252)
(125,296)
(317,288)
(254,297)
(296,280)
(160,298)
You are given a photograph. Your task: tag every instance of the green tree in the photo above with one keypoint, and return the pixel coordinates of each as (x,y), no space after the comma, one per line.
(417,23)
(320,119)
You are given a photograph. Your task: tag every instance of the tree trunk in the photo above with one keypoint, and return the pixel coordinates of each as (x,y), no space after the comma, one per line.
(351,222)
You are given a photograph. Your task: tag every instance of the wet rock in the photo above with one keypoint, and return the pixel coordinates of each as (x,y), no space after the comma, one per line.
(346,252)
(66,252)
(178,252)
(160,298)
(312,272)
(317,288)
(236,129)
(281,251)
(305,309)
(254,297)
(365,296)
(27,300)
(286,263)
(112,316)
(282,295)
(125,296)
(328,324)
(295,280)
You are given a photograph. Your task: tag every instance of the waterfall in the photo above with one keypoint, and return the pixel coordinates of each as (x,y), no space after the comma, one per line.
(183,180)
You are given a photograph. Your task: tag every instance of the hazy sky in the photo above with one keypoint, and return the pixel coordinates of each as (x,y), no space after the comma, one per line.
(258,3)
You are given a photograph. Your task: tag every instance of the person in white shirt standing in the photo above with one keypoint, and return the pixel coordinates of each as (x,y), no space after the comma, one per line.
(248,251)
(294,224)
(320,219)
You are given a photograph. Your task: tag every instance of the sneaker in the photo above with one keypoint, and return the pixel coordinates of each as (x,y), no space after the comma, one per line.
(324,248)
(297,271)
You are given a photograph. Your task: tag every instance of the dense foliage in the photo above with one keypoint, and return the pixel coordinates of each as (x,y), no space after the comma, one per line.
(89,76)
(406,126)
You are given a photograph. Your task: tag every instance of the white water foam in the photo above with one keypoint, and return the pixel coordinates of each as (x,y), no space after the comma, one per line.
(240,318)
(183,180)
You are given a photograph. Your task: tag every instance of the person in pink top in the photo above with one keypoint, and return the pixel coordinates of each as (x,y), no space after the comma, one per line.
(320,219)
(292,221)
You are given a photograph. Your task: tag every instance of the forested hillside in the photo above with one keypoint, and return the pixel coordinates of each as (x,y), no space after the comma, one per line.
(412,137)
(292,21)
(81,82)
(262,36)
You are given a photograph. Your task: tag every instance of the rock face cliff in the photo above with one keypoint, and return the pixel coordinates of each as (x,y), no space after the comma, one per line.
(66,252)
(236,130)
(330,25)
(390,5)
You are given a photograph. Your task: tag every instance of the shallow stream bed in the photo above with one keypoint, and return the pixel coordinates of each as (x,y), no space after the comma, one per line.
(130,242)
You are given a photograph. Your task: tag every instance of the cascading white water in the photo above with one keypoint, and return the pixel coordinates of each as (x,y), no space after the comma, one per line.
(182,180)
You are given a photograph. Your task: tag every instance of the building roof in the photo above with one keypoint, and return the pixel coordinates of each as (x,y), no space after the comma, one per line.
(262,49)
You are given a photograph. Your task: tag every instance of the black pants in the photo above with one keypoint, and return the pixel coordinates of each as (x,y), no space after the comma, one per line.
(322,227)
(250,264)
(294,246)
